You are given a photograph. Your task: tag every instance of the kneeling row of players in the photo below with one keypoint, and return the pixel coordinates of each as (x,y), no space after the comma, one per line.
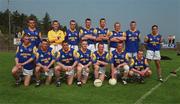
(71,61)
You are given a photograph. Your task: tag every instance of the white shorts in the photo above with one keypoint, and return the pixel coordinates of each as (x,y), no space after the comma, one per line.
(131,55)
(153,55)
(102,70)
(112,49)
(71,72)
(74,47)
(125,69)
(105,47)
(92,47)
(50,73)
(27,72)
(56,48)
(84,71)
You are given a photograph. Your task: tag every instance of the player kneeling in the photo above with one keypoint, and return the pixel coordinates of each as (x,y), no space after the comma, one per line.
(44,62)
(67,61)
(101,59)
(119,63)
(24,61)
(140,67)
(85,60)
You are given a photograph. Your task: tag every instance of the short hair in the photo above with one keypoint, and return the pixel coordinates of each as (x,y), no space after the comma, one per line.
(31,19)
(154,26)
(88,19)
(72,21)
(133,22)
(55,21)
(45,40)
(83,41)
(64,42)
(116,23)
(100,43)
(25,35)
(102,19)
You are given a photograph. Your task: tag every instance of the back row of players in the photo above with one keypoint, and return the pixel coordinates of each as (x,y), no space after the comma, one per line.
(75,51)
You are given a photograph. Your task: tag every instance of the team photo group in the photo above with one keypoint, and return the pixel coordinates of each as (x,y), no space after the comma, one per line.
(75,54)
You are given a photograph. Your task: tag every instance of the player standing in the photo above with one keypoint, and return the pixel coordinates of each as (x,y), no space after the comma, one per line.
(116,36)
(87,34)
(132,40)
(56,36)
(153,43)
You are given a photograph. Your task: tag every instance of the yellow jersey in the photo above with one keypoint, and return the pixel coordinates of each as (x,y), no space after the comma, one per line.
(56,37)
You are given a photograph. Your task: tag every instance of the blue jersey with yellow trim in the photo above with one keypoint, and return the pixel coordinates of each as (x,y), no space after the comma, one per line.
(87,32)
(118,58)
(115,34)
(24,53)
(85,57)
(154,42)
(34,36)
(101,57)
(67,58)
(72,37)
(44,58)
(139,64)
(132,41)
(103,32)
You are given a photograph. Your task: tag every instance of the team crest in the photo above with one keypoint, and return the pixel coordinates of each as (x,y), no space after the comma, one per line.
(21,50)
(115,56)
(41,55)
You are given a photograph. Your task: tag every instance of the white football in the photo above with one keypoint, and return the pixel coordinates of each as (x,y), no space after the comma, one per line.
(112,81)
(97,83)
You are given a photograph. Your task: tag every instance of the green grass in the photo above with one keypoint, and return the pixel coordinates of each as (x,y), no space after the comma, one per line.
(167,93)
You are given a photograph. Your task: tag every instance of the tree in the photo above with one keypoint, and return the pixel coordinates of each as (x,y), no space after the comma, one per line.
(46,23)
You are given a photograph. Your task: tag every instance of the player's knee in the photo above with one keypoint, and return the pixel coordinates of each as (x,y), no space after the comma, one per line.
(126,68)
(148,73)
(96,67)
(37,69)
(57,69)
(14,70)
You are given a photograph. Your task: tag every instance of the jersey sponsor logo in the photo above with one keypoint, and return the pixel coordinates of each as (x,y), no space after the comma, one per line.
(30,49)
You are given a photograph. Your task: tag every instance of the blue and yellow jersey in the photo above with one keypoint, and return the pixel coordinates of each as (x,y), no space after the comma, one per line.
(72,37)
(153,43)
(101,57)
(85,31)
(44,58)
(24,53)
(132,41)
(117,58)
(100,31)
(139,64)
(34,36)
(85,57)
(67,58)
(116,34)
